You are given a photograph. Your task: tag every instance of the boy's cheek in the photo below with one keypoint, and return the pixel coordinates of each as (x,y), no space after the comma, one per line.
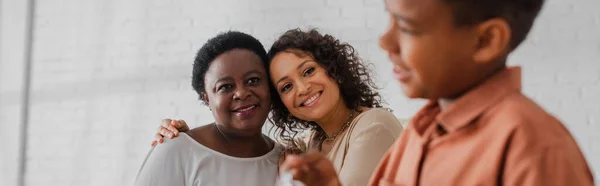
(411,90)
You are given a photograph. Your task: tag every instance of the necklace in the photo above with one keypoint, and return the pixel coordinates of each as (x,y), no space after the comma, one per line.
(346,124)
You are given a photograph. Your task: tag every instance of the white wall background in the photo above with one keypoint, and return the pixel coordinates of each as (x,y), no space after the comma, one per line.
(105,72)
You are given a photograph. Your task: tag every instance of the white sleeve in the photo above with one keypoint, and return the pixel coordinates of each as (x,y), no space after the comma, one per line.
(163,166)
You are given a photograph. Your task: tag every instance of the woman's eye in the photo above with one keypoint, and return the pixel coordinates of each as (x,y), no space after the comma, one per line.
(253,81)
(308,71)
(224,87)
(285,87)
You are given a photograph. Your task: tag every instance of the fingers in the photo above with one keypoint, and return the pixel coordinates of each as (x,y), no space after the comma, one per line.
(159,138)
(173,127)
(166,133)
(310,169)
(313,157)
(182,126)
(167,129)
(319,162)
(296,165)
(165,122)
(292,162)
(301,161)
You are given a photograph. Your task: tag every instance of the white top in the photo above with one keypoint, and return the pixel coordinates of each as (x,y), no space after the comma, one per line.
(183,161)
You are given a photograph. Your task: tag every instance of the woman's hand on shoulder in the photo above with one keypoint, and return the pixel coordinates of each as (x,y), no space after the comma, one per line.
(169,128)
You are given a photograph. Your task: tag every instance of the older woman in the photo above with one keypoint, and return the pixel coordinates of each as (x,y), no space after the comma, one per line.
(230,77)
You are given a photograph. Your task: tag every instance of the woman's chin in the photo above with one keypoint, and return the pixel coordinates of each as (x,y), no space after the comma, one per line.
(249,128)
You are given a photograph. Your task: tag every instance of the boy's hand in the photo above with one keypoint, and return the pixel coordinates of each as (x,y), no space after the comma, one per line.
(169,128)
(311,169)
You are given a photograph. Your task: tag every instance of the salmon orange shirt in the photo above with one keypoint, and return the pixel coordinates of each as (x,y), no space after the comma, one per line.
(492,135)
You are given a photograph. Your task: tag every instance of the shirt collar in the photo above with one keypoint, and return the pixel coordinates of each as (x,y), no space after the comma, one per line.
(475,102)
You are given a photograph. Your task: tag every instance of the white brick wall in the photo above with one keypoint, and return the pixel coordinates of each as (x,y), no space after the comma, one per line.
(106,71)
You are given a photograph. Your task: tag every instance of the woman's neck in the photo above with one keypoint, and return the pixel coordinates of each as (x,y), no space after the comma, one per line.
(333,121)
(242,146)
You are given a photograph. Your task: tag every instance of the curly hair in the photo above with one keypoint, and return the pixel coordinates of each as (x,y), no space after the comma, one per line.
(218,45)
(357,88)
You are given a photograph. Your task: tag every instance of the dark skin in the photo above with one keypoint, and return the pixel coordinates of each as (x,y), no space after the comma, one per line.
(231,145)
(237,93)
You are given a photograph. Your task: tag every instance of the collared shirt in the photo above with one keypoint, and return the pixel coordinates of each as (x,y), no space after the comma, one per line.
(492,135)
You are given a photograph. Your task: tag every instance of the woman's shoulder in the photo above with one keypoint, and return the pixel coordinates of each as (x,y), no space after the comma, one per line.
(172,153)
(194,142)
(377,115)
(164,163)
(375,118)
(177,145)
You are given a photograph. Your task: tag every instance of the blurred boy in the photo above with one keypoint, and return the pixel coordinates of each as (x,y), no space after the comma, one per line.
(478,128)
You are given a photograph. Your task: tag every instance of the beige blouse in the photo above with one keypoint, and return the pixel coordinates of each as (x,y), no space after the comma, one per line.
(356,152)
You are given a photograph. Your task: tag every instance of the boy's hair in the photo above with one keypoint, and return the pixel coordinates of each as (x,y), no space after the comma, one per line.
(520,14)
(222,43)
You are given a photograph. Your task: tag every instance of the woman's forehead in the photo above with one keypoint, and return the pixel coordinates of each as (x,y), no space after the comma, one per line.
(234,65)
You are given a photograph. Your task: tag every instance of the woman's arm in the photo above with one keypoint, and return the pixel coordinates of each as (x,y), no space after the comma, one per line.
(369,142)
(163,166)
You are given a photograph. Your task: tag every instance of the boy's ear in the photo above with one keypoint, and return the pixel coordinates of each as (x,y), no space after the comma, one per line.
(493,40)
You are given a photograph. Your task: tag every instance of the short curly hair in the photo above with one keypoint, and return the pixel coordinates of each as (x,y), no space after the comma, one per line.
(218,45)
(519,14)
(357,88)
